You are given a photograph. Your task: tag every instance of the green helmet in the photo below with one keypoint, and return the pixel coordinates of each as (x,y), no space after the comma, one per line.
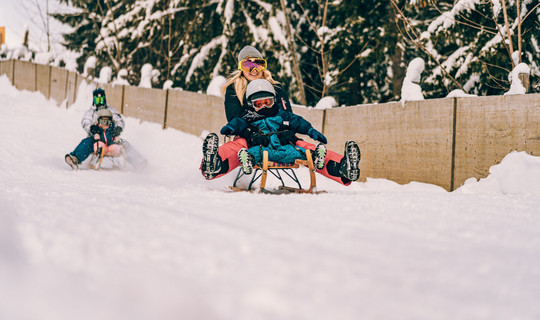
(99,100)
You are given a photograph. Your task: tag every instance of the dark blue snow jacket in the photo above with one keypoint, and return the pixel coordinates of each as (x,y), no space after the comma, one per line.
(106,135)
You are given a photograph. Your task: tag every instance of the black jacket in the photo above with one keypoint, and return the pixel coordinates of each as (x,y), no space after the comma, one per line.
(233,108)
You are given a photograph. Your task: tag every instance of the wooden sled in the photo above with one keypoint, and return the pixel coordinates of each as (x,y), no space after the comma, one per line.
(280,170)
(96,160)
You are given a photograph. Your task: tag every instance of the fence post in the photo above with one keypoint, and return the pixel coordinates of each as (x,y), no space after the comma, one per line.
(122,99)
(453,155)
(35,76)
(13,72)
(166,108)
(323,121)
(66,98)
(50,79)
(524,77)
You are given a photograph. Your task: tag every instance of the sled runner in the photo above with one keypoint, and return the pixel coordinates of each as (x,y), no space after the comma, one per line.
(116,156)
(280,171)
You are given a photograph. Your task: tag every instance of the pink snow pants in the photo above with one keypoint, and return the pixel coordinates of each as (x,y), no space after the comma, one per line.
(230,150)
(113,150)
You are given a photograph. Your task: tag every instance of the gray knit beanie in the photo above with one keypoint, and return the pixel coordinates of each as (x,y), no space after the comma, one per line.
(249,52)
(259,85)
(104,113)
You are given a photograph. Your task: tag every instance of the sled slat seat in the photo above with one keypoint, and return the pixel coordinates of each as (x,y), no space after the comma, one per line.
(280,170)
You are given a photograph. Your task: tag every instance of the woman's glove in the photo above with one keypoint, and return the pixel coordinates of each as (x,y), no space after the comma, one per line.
(116,131)
(95,129)
(316,135)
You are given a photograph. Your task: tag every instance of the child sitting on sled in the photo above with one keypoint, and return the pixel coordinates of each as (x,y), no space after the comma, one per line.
(104,134)
(266,127)
(90,124)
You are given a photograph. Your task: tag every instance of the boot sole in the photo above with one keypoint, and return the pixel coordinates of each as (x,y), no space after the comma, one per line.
(70,162)
(211,144)
(246,169)
(352,152)
(318,162)
(210,150)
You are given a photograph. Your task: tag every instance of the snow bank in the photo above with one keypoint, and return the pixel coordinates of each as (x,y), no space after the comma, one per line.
(411,90)
(518,173)
(458,93)
(214,88)
(516,87)
(89,66)
(105,75)
(326,103)
(146,76)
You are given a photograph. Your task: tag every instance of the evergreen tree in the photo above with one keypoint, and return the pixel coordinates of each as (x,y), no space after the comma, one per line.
(469,48)
(86,23)
(356,51)
(364,51)
(229,26)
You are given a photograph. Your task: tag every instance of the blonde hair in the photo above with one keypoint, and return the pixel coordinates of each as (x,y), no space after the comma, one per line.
(240,83)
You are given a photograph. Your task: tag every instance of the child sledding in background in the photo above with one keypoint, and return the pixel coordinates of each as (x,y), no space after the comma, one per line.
(108,136)
(103,134)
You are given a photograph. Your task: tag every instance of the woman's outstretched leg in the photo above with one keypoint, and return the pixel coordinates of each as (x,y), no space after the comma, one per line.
(220,160)
(341,169)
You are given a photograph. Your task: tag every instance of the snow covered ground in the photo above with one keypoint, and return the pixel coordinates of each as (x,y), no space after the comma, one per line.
(166,244)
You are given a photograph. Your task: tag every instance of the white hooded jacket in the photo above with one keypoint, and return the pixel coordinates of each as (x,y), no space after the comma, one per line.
(90,118)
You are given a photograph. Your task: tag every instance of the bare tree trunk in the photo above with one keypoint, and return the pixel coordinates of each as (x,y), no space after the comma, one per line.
(414,36)
(323,54)
(398,71)
(292,48)
(26,38)
(48,28)
(44,21)
(169,50)
(508,31)
(519,28)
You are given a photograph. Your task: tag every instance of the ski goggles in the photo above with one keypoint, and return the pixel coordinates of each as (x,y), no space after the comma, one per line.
(261,103)
(99,100)
(105,121)
(249,64)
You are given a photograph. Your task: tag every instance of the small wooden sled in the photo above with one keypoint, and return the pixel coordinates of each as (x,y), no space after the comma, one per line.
(96,160)
(280,170)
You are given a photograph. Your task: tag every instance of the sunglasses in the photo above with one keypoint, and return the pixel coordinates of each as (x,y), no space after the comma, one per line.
(252,63)
(105,121)
(260,103)
(99,100)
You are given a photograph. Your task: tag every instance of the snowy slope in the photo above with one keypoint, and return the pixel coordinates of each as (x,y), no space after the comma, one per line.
(166,244)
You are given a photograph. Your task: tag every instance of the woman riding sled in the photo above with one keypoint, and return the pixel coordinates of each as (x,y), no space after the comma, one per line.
(218,161)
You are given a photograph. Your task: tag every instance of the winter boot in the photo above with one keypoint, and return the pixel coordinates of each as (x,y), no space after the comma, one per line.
(319,154)
(72,161)
(211,164)
(349,163)
(246,161)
